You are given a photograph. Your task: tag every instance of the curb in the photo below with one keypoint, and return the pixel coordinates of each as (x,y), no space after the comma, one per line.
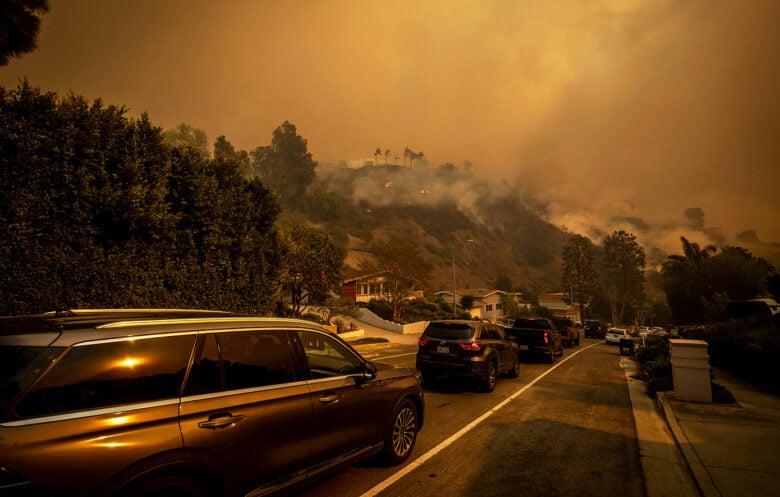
(701,476)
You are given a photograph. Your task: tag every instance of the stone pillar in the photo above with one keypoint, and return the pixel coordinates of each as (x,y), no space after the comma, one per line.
(691,370)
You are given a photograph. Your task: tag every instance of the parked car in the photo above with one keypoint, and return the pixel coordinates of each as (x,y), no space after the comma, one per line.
(570,332)
(614,335)
(594,329)
(537,336)
(190,403)
(470,349)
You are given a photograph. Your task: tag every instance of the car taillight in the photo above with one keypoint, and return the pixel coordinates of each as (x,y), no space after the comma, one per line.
(422,341)
(470,345)
(546,337)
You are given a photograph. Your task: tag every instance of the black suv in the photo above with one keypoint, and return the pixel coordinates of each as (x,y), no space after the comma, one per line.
(190,403)
(472,349)
(595,329)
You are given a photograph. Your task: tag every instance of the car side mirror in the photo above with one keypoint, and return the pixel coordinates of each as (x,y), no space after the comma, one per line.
(369,371)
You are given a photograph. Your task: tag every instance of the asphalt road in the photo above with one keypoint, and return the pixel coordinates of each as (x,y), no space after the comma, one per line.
(564,429)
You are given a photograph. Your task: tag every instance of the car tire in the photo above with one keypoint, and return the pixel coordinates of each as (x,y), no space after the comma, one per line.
(515,371)
(402,434)
(489,383)
(166,486)
(550,358)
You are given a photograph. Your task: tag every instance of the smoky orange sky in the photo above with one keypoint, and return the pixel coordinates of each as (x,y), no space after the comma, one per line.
(620,114)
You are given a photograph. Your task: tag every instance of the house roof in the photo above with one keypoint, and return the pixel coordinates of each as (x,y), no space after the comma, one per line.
(477,293)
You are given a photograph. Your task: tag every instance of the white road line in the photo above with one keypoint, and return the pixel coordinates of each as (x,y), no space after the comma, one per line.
(453,438)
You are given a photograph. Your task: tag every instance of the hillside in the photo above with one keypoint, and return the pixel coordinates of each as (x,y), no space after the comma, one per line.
(494,233)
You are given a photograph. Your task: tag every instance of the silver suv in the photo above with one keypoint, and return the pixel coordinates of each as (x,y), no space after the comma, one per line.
(190,403)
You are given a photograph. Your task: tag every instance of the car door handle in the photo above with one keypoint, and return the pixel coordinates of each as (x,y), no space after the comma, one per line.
(221,421)
(331,398)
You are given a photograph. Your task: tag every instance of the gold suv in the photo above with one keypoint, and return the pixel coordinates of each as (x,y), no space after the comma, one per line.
(190,403)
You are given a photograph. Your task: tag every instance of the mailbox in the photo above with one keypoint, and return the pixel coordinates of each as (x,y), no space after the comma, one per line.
(691,370)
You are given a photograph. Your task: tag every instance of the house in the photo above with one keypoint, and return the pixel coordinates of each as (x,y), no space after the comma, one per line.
(559,308)
(366,287)
(488,304)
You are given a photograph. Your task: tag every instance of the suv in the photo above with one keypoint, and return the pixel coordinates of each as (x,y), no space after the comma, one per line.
(570,333)
(594,329)
(471,349)
(190,403)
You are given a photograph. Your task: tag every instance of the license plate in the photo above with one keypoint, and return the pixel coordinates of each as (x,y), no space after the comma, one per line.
(443,349)
(522,347)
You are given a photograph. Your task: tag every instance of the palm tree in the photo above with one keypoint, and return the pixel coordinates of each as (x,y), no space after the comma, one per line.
(387,155)
(377,153)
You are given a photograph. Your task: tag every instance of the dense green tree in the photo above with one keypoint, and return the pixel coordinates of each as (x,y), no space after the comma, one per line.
(286,165)
(579,278)
(399,266)
(96,209)
(624,263)
(699,284)
(311,266)
(186,135)
(684,281)
(19,25)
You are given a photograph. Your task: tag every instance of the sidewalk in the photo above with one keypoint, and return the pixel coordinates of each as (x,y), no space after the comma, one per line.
(732,450)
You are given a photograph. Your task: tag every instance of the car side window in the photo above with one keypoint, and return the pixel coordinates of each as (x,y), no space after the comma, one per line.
(112,373)
(206,375)
(255,359)
(327,357)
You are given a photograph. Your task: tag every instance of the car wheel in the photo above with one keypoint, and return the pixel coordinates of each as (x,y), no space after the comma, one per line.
(402,434)
(166,486)
(515,371)
(489,383)
(551,356)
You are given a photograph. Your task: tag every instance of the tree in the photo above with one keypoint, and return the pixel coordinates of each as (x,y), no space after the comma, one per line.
(286,165)
(398,265)
(186,135)
(98,210)
(699,284)
(579,276)
(624,261)
(377,153)
(684,281)
(19,25)
(312,266)
(387,155)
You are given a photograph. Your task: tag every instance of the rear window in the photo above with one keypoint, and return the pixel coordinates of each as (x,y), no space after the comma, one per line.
(449,331)
(532,324)
(20,366)
(111,373)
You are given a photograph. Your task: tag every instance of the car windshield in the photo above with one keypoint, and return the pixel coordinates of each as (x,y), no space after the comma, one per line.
(449,331)
(20,366)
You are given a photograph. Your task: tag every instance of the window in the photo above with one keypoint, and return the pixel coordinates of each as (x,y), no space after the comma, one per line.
(245,359)
(327,357)
(499,306)
(255,359)
(112,373)
(488,307)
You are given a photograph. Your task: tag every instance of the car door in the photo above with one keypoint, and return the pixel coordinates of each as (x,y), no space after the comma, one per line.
(247,410)
(346,407)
